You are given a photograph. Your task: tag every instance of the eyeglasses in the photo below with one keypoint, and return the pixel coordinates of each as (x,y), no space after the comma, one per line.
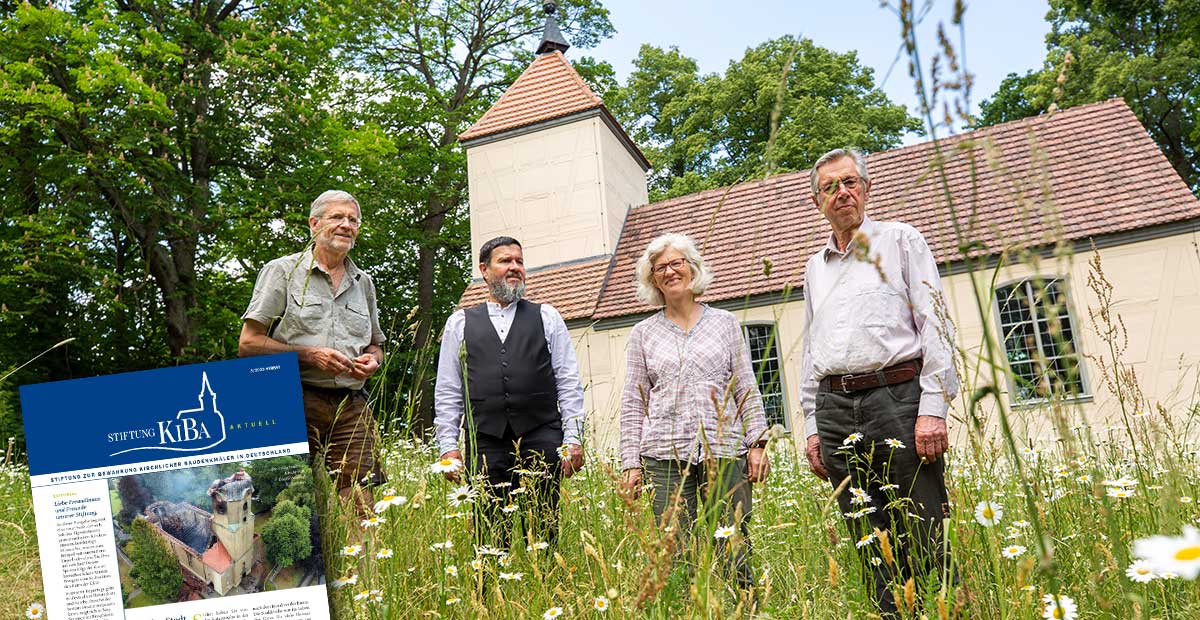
(675,265)
(850,183)
(338,220)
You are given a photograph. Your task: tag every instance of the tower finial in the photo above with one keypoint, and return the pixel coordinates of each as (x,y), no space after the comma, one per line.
(552,37)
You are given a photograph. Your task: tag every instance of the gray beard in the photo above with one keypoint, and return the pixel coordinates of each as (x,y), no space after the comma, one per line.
(504,293)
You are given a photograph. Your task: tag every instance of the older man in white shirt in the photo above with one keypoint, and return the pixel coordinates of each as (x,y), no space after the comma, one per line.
(878,374)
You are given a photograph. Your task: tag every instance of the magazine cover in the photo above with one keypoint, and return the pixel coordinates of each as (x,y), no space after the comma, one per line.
(180,492)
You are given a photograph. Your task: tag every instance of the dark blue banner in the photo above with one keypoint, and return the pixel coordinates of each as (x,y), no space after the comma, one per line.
(167,413)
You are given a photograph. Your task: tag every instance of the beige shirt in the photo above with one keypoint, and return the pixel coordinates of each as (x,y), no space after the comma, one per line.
(871,307)
(299,290)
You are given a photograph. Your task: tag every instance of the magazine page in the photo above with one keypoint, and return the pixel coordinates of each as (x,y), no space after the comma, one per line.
(180,492)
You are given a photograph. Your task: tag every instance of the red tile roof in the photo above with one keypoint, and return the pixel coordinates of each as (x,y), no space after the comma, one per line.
(571,288)
(549,88)
(217,557)
(1082,172)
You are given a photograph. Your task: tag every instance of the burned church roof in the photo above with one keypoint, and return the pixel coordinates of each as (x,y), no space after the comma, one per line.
(184,522)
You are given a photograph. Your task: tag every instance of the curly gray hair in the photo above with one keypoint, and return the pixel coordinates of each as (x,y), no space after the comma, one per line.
(701,275)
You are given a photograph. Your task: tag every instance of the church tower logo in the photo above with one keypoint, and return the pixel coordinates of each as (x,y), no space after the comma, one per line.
(191,430)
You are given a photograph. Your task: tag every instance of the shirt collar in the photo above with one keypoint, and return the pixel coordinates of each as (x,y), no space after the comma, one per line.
(867,228)
(351,269)
(495,309)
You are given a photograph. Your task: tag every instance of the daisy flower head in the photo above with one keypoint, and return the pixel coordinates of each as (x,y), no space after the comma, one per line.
(889,487)
(512,576)
(451,571)
(509,508)
(35,611)
(477,564)
(1172,554)
(723,532)
(488,550)
(859,496)
(383,554)
(453,600)
(1059,607)
(1012,551)
(852,439)
(388,500)
(1121,493)
(876,561)
(564,453)
(1185,499)
(446,466)
(374,521)
(376,596)
(894,443)
(860,513)
(865,540)
(441,546)
(504,561)
(600,604)
(362,595)
(1140,571)
(351,550)
(342,582)
(552,613)
(461,495)
(537,546)
(988,513)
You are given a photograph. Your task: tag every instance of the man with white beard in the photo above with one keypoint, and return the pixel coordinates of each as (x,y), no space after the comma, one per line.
(524,422)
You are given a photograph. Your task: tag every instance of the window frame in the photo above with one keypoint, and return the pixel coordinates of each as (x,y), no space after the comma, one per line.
(1085,395)
(783,391)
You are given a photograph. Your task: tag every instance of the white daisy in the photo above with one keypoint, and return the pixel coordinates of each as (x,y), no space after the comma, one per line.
(552,613)
(388,500)
(342,582)
(1179,555)
(444,466)
(600,604)
(723,532)
(859,496)
(512,576)
(441,546)
(374,521)
(1140,571)
(351,550)
(894,443)
(383,554)
(988,513)
(852,438)
(1061,607)
(865,540)
(1012,551)
(451,571)
(460,495)
(537,546)
(35,611)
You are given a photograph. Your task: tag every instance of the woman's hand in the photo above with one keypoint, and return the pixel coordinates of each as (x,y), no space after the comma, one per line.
(758,464)
(631,483)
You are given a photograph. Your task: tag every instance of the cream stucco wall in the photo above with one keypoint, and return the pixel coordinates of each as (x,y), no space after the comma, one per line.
(1156,292)
(563,191)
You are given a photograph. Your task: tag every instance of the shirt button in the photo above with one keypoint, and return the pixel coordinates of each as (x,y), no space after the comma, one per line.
(503,350)
(506,378)
(504,363)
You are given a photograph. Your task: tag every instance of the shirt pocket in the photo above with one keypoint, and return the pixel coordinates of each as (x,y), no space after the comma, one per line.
(357,319)
(307,312)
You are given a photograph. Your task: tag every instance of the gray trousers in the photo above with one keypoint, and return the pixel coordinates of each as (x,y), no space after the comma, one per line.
(718,484)
(912,512)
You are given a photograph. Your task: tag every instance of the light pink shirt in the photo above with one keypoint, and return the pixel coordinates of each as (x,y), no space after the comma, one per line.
(871,307)
(689,396)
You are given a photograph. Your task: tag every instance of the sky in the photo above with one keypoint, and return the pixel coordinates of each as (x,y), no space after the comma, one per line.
(1002,36)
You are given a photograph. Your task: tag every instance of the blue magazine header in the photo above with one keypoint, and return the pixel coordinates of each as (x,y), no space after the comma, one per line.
(166,413)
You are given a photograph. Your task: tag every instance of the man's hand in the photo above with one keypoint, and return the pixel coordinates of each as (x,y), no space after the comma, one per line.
(813,452)
(931,436)
(365,365)
(456,475)
(329,360)
(574,460)
(631,483)
(758,464)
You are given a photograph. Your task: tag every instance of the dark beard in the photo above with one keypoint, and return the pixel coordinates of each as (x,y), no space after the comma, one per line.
(504,293)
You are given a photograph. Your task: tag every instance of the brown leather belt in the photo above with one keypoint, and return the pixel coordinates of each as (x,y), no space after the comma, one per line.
(899,373)
(329,392)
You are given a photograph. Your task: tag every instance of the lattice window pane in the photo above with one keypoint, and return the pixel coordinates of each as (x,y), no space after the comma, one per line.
(764,356)
(1039,339)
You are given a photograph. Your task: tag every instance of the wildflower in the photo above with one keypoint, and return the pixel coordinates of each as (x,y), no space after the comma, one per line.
(518,491)
(1021,524)
(512,576)
(351,550)
(1122,482)
(859,496)
(454,515)
(1084,478)
(342,582)
(441,546)
(527,472)
(865,540)
(889,487)
(504,560)
(388,500)
(552,613)
(1028,588)
(509,508)
(374,521)
(723,532)
(477,565)
(35,611)
(860,513)
(1185,499)
(502,485)
(1012,551)
(1140,571)
(537,546)
(453,601)
(451,571)
(852,438)
(988,513)
(460,495)
(1169,554)
(894,443)
(1120,493)
(563,453)
(600,604)
(876,561)
(362,595)
(383,554)
(1060,607)
(488,550)
(445,466)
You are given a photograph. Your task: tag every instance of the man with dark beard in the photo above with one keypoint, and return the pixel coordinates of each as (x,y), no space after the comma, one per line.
(524,422)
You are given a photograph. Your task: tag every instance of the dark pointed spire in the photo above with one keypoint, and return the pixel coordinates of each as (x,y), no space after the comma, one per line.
(552,37)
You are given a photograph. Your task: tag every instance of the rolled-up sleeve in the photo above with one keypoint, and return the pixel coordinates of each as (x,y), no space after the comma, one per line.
(939,379)
(269,299)
(635,398)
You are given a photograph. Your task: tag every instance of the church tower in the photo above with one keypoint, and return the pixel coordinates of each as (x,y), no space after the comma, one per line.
(549,165)
(233,520)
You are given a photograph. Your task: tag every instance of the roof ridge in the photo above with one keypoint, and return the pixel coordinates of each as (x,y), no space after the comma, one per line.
(541,83)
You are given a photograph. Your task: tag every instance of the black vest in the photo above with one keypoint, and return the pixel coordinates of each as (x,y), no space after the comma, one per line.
(509,383)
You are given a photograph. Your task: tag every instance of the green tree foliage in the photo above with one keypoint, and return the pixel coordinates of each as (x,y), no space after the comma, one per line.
(778,108)
(271,476)
(286,535)
(300,491)
(156,570)
(1144,51)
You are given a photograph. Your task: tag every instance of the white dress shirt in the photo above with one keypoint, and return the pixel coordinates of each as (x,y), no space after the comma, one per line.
(448,394)
(872,306)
